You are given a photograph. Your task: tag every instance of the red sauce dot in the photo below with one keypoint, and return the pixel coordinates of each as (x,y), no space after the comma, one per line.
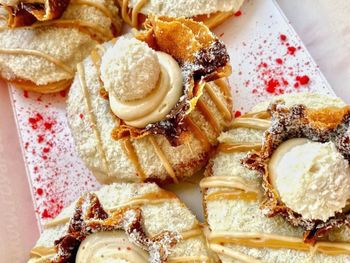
(40,138)
(238,13)
(238,113)
(48,125)
(296,85)
(304,80)
(291,50)
(25,94)
(283,37)
(271,85)
(46,150)
(81,115)
(279,61)
(45,214)
(39,191)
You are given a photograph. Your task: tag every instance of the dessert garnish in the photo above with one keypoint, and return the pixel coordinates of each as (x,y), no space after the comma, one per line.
(304,161)
(27,12)
(90,223)
(160,75)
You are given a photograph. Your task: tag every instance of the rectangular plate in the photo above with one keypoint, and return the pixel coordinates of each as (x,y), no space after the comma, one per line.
(264,65)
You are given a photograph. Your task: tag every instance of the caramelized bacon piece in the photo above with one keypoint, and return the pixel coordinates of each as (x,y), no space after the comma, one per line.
(25,13)
(322,125)
(90,217)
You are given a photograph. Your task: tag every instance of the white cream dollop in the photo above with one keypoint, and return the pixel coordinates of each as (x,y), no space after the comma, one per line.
(143,85)
(109,247)
(312,178)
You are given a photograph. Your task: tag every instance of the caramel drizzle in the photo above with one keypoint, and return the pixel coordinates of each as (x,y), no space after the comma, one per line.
(103,9)
(225,89)
(262,240)
(149,198)
(257,115)
(134,13)
(218,103)
(163,158)
(203,108)
(129,150)
(82,80)
(239,147)
(40,54)
(233,254)
(201,136)
(232,195)
(188,259)
(234,182)
(251,123)
(75,23)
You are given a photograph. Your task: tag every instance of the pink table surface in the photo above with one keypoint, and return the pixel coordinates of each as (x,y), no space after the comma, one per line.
(329,26)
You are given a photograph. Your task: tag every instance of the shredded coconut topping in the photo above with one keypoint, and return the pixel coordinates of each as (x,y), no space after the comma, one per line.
(130,69)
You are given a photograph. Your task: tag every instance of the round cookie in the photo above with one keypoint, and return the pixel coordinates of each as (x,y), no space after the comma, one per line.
(160,152)
(239,229)
(210,12)
(124,223)
(43,55)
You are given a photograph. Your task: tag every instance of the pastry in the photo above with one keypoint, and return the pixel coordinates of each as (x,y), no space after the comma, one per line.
(210,12)
(278,188)
(149,107)
(123,223)
(41,42)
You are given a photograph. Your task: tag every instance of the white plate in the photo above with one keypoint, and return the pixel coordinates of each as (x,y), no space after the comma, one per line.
(56,174)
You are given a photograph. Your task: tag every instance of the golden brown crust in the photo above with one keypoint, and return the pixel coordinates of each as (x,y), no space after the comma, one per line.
(327,124)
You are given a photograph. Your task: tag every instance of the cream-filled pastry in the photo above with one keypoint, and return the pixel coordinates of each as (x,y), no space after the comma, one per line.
(41,42)
(153,103)
(124,223)
(277,190)
(210,12)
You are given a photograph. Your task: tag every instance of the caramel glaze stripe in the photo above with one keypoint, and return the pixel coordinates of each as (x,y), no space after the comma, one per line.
(135,12)
(149,198)
(218,103)
(82,80)
(103,9)
(228,182)
(208,115)
(125,15)
(232,195)
(239,147)
(251,123)
(185,259)
(163,158)
(40,54)
(233,254)
(201,136)
(262,240)
(225,89)
(105,33)
(257,115)
(129,150)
